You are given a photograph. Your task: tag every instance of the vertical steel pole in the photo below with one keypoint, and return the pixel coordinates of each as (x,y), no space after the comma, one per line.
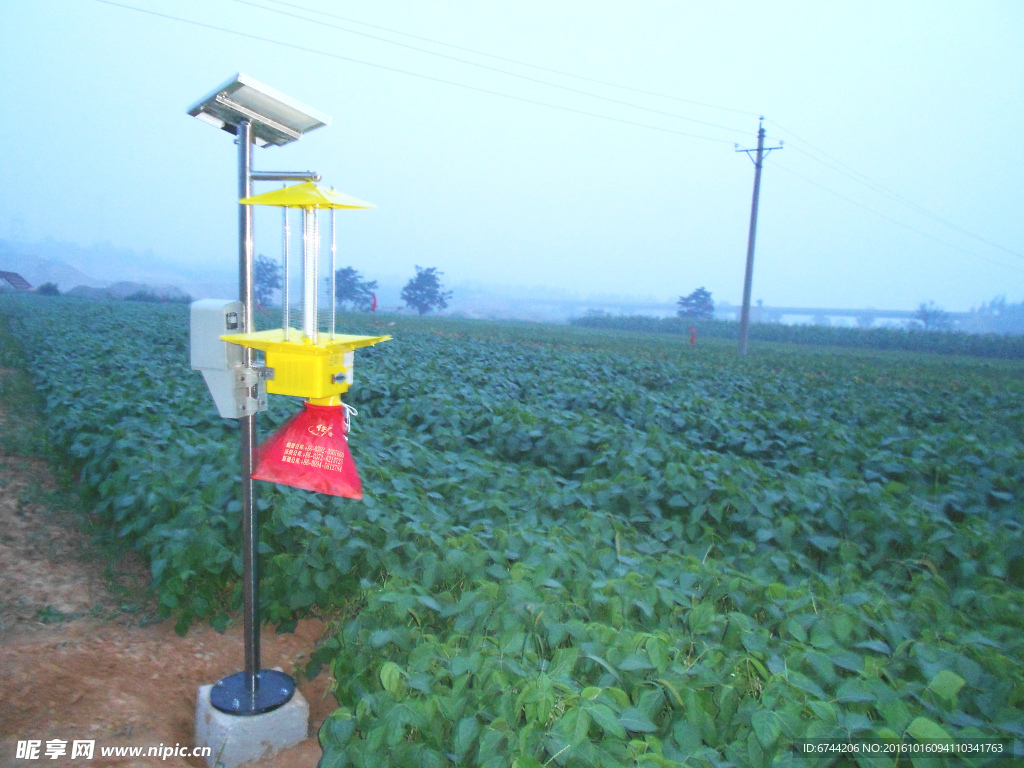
(250,522)
(749,276)
(285,309)
(316,274)
(308,277)
(334,269)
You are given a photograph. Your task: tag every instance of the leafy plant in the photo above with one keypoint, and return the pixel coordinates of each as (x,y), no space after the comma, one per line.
(689,558)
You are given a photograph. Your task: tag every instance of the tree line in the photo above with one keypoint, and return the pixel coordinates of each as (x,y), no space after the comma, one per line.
(424,292)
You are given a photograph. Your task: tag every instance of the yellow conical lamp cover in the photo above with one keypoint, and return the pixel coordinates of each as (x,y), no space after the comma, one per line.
(306,195)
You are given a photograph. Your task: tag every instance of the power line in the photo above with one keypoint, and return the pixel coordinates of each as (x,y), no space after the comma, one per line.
(516,61)
(894,221)
(306,49)
(850,173)
(547,83)
(875,186)
(647,126)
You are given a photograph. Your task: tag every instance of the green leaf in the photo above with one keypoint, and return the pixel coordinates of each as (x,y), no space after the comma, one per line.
(701,618)
(563,662)
(687,736)
(807,685)
(946,684)
(334,758)
(876,645)
(466,732)
(635,661)
(380,638)
(429,602)
(582,726)
(391,677)
(605,664)
(823,710)
(767,727)
(420,682)
(603,715)
(796,630)
(755,752)
(633,719)
(337,730)
(847,660)
(619,698)
(854,690)
(923,729)
(896,713)
(821,634)
(659,654)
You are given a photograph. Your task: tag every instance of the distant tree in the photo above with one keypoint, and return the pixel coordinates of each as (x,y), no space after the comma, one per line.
(932,317)
(866,320)
(158,298)
(425,292)
(266,278)
(997,316)
(351,289)
(697,305)
(48,289)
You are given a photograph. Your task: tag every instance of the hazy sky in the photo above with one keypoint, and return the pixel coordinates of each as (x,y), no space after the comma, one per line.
(921,101)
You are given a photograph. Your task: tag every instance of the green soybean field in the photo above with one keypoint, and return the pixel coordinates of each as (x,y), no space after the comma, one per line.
(587,547)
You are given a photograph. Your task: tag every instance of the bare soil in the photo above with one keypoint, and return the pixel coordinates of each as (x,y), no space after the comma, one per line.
(82,655)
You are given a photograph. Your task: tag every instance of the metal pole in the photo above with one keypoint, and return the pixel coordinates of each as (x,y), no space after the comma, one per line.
(334,268)
(749,276)
(284,292)
(284,176)
(250,522)
(315,277)
(308,277)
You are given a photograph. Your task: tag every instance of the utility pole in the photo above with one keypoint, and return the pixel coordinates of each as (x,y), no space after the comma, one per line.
(749,276)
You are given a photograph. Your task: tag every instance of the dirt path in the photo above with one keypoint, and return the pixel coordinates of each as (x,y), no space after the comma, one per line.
(82,656)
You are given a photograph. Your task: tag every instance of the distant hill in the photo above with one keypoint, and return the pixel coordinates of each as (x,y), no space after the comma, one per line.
(16,257)
(104,266)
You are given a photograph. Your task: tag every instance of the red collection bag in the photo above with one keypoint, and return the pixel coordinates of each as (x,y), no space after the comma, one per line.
(310,451)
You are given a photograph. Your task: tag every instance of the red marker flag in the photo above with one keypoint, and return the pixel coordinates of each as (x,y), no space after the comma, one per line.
(373,307)
(310,451)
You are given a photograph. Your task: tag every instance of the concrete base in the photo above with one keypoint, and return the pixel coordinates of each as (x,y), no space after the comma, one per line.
(235,740)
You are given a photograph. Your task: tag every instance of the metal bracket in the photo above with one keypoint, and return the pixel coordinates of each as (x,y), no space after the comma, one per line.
(246,379)
(265,373)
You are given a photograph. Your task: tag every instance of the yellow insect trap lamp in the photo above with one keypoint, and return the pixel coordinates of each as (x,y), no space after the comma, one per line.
(310,450)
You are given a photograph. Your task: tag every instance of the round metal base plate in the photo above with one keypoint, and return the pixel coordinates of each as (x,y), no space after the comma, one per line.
(232,694)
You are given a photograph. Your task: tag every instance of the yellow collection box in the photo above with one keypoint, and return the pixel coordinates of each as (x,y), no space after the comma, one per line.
(319,372)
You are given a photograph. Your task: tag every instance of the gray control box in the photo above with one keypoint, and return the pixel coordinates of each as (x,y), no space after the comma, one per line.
(222,364)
